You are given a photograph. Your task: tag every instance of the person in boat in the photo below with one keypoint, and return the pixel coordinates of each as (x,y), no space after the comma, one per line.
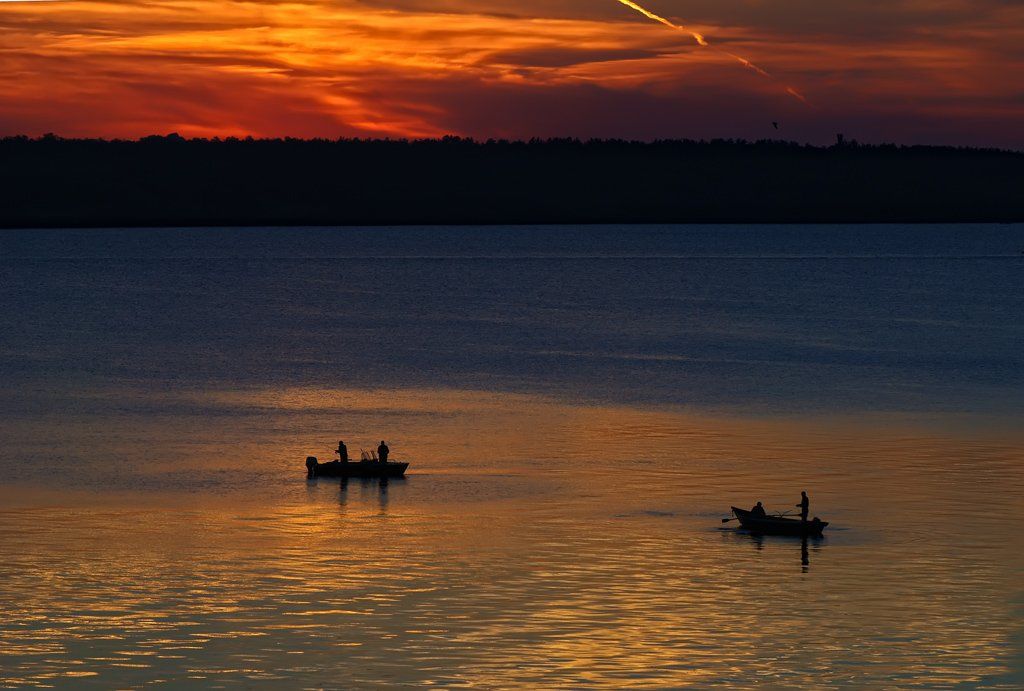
(382,452)
(342,452)
(804,506)
(758,511)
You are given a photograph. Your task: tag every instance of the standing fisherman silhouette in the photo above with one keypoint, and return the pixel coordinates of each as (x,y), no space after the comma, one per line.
(804,506)
(342,452)
(382,452)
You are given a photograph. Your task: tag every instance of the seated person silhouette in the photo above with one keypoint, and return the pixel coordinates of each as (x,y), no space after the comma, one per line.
(758,511)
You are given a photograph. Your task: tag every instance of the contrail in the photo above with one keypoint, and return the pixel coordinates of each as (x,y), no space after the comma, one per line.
(650,15)
(699,38)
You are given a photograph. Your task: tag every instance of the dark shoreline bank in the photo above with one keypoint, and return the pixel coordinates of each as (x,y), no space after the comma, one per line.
(170,181)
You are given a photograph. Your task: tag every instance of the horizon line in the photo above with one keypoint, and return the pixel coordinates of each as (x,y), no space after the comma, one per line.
(841,141)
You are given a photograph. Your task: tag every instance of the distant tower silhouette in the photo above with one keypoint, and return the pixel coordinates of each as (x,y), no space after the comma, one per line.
(839,139)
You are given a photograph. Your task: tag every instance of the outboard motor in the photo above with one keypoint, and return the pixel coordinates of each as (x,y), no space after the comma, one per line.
(311,464)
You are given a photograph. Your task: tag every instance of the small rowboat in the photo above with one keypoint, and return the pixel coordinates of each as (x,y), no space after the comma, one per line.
(778,525)
(355,468)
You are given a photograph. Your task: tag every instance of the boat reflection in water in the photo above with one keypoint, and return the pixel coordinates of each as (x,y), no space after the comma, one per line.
(365,484)
(784,542)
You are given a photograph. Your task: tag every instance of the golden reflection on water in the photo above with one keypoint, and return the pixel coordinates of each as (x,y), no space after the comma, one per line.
(535,543)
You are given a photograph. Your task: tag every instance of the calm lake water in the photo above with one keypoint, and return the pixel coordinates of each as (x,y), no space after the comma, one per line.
(581,406)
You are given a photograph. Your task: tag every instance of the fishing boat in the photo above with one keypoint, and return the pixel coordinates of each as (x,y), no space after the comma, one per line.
(364,468)
(778,525)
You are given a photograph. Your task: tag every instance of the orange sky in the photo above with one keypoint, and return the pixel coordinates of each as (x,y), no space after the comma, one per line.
(942,71)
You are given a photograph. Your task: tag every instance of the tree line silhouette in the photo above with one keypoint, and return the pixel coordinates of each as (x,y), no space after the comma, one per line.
(173,181)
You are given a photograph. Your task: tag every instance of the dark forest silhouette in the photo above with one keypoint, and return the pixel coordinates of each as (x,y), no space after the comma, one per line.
(172,181)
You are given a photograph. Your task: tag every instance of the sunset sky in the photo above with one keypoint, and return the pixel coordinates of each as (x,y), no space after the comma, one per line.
(911,71)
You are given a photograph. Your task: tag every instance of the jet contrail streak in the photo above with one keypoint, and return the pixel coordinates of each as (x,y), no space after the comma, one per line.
(650,15)
(699,38)
(747,63)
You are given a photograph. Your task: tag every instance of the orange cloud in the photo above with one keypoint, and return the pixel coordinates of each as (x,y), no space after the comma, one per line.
(342,68)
